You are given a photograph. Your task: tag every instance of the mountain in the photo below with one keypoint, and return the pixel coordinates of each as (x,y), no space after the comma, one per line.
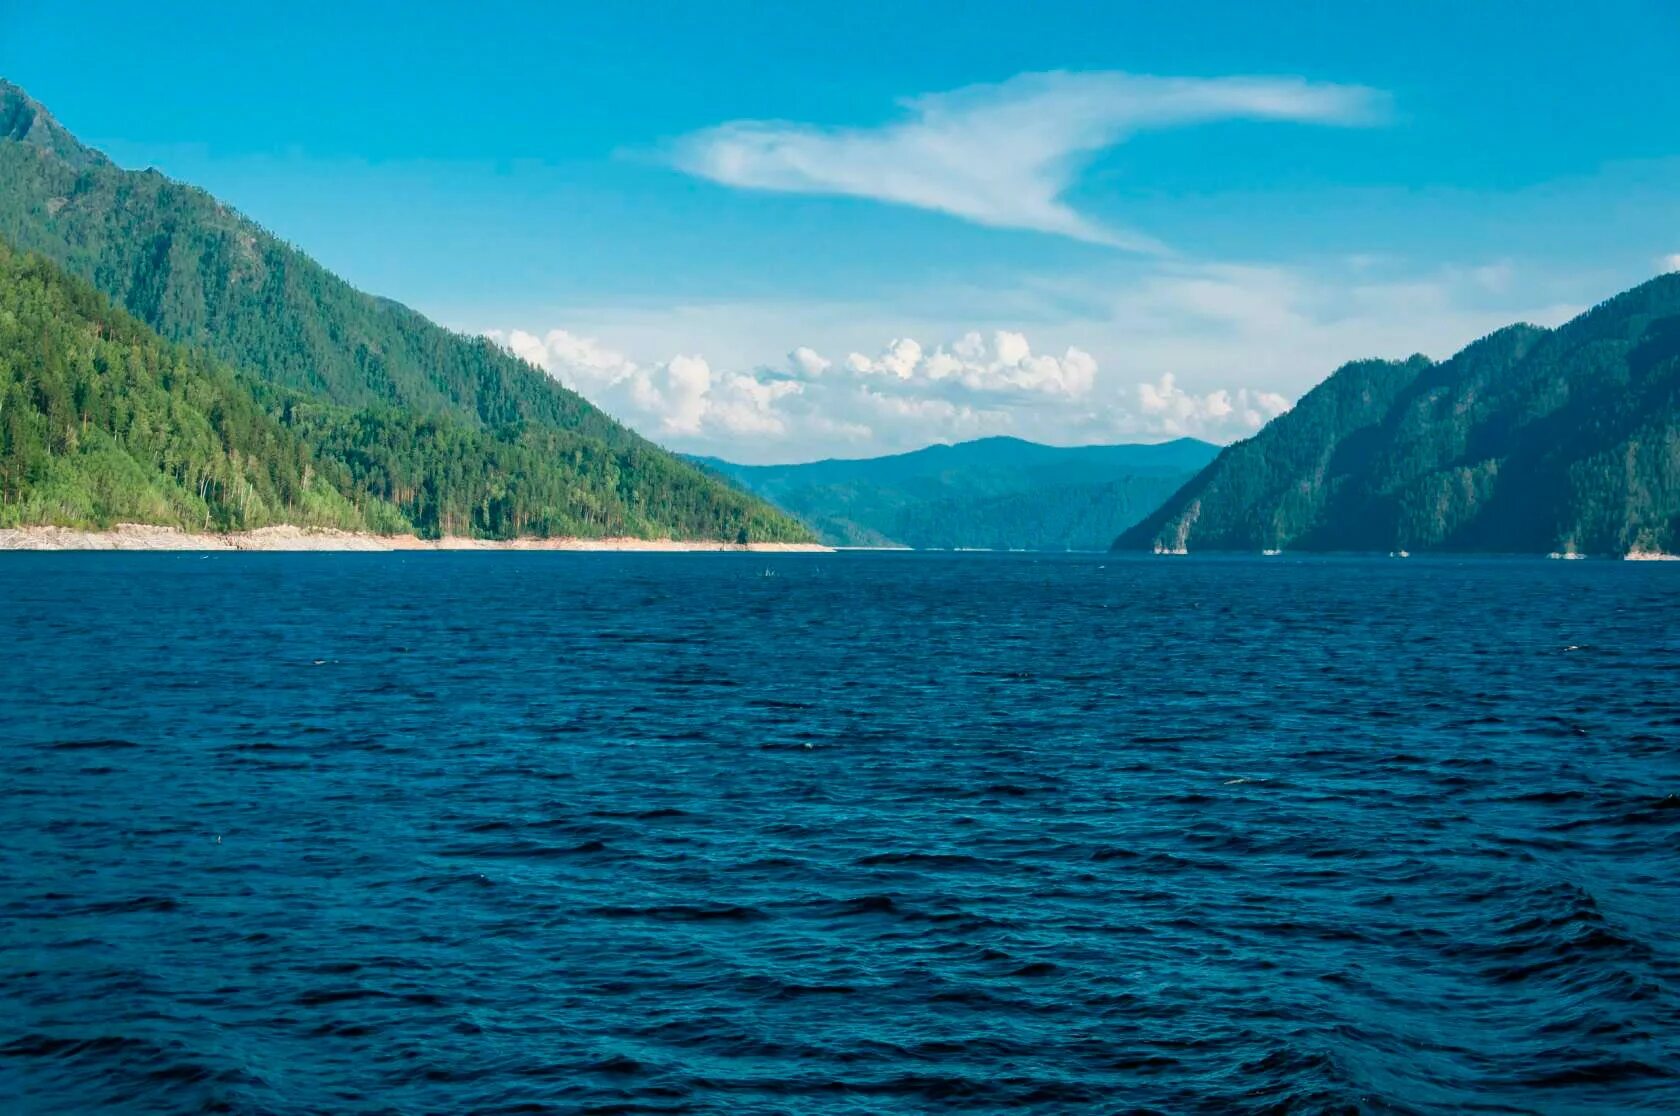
(102,421)
(996,493)
(1528,441)
(201,274)
(460,435)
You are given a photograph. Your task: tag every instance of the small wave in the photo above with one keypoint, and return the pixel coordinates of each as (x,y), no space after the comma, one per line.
(922,860)
(685,912)
(1547,797)
(58,1046)
(1603,1071)
(866,905)
(655,814)
(320,997)
(617,1065)
(145,904)
(110,744)
(521,850)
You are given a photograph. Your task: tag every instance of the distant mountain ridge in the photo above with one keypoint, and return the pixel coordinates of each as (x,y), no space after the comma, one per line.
(464,437)
(1527,441)
(995,493)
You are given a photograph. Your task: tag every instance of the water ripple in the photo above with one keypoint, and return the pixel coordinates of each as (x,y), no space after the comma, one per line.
(883,833)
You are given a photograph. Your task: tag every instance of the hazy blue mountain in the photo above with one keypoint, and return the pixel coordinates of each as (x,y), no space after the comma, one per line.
(1528,441)
(998,493)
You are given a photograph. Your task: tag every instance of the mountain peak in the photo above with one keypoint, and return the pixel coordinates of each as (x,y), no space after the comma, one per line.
(25,120)
(1527,440)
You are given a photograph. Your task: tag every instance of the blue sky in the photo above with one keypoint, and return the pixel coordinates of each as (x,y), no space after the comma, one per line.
(782,231)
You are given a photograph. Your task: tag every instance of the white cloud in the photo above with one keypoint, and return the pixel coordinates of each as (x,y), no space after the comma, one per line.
(1238,339)
(906,396)
(1003,155)
(807,362)
(1668,263)
(1216,413)
(680,397)
(1004,365)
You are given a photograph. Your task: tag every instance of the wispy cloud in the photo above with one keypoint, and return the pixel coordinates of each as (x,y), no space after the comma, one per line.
(1003,155)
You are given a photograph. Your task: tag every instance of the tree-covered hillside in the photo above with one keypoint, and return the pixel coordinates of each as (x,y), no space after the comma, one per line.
(462,437)
(1527,441)
(202,274)
(527,480)
(102,421)
(995,493)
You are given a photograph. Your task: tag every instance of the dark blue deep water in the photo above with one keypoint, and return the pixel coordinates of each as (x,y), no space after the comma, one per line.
(838,833)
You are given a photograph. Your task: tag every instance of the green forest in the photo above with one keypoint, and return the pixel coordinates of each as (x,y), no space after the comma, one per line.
(102,421)
(167,361)
(1528,441)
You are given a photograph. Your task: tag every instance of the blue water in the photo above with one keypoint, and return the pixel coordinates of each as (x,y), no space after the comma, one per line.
(838,833)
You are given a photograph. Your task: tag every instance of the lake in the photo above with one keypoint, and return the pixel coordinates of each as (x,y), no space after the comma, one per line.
(872,833)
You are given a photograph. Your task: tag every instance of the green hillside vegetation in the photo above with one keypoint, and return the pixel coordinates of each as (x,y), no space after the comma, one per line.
(1527,441)
(413,425)
(200,273)
(102,421)
(993,493)
(527,480)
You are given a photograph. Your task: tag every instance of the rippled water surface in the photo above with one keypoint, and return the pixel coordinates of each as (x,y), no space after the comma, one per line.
(838,833)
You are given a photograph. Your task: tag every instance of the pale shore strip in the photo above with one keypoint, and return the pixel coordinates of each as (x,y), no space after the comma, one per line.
(137,536)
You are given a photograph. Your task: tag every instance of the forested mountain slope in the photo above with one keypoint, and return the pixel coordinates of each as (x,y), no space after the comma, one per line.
(200,273)
(995,493)
(1527,441)
(460,436)
(102,421)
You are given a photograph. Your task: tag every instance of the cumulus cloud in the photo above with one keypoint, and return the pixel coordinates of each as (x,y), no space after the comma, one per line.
(682,396)
(1005,364)
(1217,328)
(807,362)
(1003,155)
(904,396)
(1217,413)
(1668,263)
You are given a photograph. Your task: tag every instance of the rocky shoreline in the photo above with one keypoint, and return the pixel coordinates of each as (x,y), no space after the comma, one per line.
(137,536)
